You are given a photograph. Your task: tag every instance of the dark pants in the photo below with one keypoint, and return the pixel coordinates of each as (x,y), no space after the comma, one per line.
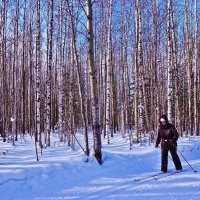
(165,148)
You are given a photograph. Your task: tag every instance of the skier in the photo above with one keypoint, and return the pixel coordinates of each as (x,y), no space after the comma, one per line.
(168,136)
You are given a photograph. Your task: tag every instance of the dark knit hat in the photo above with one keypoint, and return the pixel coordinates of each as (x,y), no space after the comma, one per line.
(164,117)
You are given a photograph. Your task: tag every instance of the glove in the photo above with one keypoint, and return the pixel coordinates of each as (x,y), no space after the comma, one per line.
(156,146)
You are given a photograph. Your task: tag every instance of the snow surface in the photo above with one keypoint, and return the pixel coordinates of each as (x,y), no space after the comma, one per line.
(62,173)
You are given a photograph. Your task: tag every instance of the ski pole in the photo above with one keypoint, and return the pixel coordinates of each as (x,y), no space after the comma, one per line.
(187,161)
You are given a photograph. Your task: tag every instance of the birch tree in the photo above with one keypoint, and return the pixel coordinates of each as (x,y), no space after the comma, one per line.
(15,77)
(188,68)
(38,71)
(60,73)
(80,81)
(93,80)
(169,66)
(108,72)
(49,72)
(196,121)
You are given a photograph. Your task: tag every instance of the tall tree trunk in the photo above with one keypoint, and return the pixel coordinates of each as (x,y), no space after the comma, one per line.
(196,130)
(49,71)
(188,65)
(60,75)
(38,71)
(93,81)
(108,72)
(169,66)
(178,117)
(24,74)
(15,71)
(136,72)
(140,77)
(80,81)
(4,20)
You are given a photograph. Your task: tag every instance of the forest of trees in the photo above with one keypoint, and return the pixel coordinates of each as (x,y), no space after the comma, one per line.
(101,65)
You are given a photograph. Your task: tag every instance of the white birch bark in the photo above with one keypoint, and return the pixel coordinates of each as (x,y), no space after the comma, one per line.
(80,81)
(196,72)
(15,88)
(188,66)
(60,75)
(140,66)
(169,66)
(93,81)
(38,71)
(136,120)
(49,71)
(108,72)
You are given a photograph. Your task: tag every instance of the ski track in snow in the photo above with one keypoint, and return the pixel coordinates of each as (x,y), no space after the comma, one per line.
(62,173)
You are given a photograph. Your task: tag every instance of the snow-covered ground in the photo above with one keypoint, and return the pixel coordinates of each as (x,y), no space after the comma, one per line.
(62,173)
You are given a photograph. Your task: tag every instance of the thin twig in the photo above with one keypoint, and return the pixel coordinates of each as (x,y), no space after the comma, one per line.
(13,179)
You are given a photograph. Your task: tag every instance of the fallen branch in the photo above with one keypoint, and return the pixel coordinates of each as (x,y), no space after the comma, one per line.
(13,179)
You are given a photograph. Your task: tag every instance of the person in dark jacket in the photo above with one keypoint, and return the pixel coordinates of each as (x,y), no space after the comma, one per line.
(168,136)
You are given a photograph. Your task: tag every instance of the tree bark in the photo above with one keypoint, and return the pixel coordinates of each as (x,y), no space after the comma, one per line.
(93,81)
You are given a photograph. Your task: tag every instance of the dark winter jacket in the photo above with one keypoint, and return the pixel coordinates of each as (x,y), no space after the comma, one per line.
(168,134)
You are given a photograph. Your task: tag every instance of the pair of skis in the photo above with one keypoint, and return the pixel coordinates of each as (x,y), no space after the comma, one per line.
(157,176)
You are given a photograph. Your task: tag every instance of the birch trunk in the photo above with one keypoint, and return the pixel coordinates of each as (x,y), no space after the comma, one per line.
(60,75)
(169,66)
(93,81)
(178,116)
(38,71)
(24,73)
(196,130)
(3,21)
(15,67)
(49,71)
(108,72)
(80,81)
(140,66)
(188,66)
